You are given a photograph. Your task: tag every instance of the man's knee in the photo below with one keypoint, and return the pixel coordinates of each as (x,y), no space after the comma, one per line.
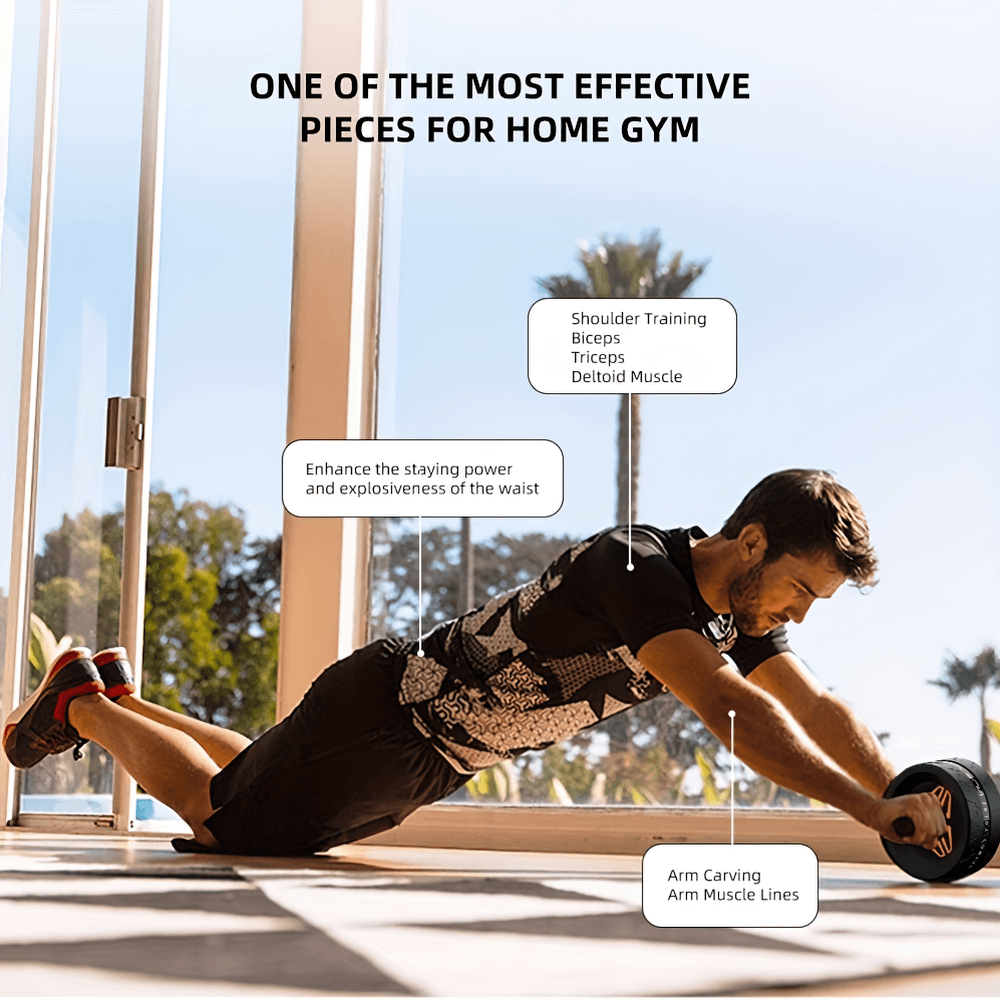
(196,805)
(203,835)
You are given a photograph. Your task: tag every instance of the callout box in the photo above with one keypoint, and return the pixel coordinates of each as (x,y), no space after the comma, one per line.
(676,346)
(418,478)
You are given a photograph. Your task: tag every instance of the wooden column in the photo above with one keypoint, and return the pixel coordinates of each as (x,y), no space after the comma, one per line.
(331,387)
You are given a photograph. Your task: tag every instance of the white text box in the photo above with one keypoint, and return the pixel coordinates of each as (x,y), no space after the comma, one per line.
(730,885)
(418,478)
(632,345)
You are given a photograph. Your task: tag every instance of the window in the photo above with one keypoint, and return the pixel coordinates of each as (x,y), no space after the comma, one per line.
(223,315)
(814,207)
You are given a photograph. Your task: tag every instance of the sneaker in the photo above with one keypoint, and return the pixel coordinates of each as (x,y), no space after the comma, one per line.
(39,725)
(116,672)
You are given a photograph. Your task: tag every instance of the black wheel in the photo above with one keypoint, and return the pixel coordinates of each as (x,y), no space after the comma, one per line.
(971,805)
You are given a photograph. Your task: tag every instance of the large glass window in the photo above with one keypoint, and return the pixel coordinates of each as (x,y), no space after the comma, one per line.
(13,263)
(219,409)
(220,403)
(848,219)
(78,519)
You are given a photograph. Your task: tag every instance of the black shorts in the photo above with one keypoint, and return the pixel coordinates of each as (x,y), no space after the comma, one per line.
(346,764)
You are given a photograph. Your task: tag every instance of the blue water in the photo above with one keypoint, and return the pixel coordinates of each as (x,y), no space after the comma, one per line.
(146,807)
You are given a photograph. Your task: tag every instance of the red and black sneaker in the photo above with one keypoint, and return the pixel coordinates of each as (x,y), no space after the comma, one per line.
(39,725)
(116,672)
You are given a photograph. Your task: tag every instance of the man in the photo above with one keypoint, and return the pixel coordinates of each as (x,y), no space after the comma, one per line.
(392,727)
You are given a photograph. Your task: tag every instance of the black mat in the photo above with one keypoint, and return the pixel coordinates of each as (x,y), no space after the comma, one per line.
(305,959)
(631,926)
(249,902)
(486,886)
(904,908)
(201,873)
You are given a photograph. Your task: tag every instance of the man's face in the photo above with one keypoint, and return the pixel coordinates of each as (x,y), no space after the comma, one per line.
(769,594)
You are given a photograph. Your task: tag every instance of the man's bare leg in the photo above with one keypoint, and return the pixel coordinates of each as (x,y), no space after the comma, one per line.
(170,764)
(222,745)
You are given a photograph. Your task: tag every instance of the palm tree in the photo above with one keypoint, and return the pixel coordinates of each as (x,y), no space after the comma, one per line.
(962,677)
(621,269)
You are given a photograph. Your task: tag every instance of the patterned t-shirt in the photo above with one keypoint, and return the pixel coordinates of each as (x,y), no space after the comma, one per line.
(539,663)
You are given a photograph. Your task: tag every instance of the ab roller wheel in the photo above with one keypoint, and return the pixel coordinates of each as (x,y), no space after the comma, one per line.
(971,805)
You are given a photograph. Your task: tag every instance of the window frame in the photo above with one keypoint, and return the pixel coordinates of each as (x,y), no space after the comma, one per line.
(336,294)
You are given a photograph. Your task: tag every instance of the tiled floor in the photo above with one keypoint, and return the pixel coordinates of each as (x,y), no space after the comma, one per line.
(111,916)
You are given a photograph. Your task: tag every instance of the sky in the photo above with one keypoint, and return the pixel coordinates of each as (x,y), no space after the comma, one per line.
(847,210)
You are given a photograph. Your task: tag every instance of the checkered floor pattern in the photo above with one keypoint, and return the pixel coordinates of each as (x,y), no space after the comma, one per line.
(126,916)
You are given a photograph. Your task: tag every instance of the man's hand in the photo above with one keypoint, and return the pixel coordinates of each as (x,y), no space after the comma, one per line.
(925,811)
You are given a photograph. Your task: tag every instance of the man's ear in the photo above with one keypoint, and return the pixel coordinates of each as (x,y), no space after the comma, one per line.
(752,544)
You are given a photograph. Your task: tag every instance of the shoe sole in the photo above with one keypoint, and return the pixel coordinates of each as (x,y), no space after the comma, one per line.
(82,653)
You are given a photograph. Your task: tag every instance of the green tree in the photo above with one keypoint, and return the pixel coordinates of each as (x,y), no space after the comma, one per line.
(973,676)
(210,643)
(77,578)
(573,772)
(211,630)
(503,562)
(76,596)
(183,666)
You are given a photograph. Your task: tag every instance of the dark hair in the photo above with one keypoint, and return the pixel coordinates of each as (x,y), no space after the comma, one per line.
(805,512)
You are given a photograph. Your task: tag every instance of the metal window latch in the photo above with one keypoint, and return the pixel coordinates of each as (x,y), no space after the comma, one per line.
(124,437)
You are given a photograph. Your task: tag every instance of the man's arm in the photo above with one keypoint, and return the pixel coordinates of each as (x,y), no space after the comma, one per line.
(830,723)
(769,739)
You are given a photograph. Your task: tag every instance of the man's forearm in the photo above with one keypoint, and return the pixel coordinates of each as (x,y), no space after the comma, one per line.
(773,744)
(840,733)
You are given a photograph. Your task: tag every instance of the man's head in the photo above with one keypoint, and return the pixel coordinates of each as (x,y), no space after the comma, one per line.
(799,534)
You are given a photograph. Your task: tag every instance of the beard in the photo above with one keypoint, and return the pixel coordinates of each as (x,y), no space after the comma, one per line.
(744,603)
